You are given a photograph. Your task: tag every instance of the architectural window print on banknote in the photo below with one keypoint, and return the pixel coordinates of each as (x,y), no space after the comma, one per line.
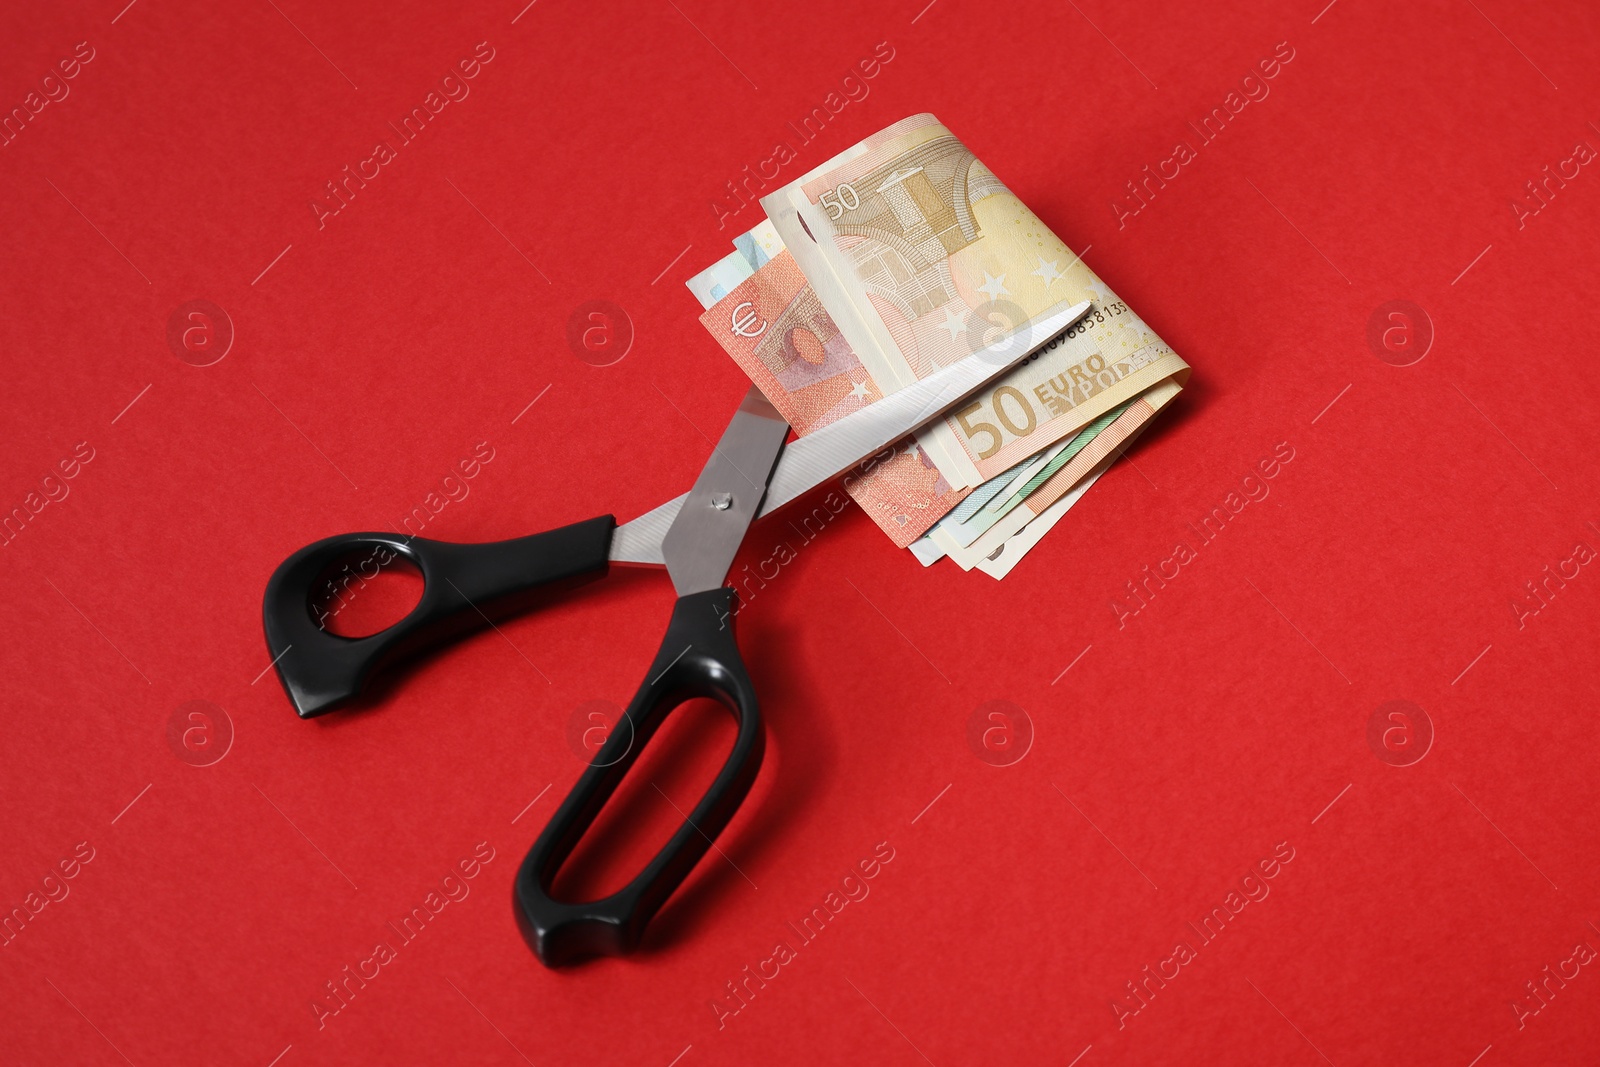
(895,258)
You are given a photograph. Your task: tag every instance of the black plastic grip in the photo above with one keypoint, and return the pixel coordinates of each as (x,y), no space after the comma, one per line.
(464,587)
(698,658)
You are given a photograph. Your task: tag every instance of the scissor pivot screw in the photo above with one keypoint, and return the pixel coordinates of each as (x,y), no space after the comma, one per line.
(722,501)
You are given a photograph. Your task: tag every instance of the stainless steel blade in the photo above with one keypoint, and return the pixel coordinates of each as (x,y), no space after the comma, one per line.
(639,541)
(703,538)
(815,458)
(839,446)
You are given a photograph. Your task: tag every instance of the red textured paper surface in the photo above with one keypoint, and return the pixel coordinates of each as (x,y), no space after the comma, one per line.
(1169,755)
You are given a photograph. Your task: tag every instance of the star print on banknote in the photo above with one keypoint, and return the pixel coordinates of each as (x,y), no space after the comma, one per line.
(1049,270)
(952,322)
(993,286)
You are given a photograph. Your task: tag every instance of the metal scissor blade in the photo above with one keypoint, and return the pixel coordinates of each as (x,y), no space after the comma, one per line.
(702,540)
(839,446)
(815,458)
(639,541)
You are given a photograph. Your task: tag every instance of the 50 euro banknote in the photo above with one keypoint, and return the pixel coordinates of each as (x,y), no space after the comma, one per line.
(919,255)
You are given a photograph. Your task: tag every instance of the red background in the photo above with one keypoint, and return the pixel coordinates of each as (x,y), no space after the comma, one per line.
(1180,749)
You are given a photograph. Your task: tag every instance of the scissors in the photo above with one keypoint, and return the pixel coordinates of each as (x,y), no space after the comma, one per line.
(695,536)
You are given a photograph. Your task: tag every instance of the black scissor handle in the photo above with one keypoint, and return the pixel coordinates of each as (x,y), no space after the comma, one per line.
(698,658)
(464,586)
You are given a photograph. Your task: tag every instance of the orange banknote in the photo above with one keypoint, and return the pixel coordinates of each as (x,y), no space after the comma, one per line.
(777,330)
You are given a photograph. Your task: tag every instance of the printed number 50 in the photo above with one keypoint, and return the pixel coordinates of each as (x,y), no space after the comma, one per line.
(997,401)
(841,199)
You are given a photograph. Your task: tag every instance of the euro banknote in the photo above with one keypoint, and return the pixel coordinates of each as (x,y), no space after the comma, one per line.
(865,277)
(965,525)
(770,323)
(998,563)
(1121,431)
(751,251)
(780,335)
(920,255)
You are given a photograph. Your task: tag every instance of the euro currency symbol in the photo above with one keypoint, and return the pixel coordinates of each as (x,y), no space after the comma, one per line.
(744,318)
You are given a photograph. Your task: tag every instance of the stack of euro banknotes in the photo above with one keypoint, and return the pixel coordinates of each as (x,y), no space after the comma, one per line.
(896,258)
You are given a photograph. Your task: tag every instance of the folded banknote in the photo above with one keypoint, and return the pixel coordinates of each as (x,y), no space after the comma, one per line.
(919,254)
(894,259)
